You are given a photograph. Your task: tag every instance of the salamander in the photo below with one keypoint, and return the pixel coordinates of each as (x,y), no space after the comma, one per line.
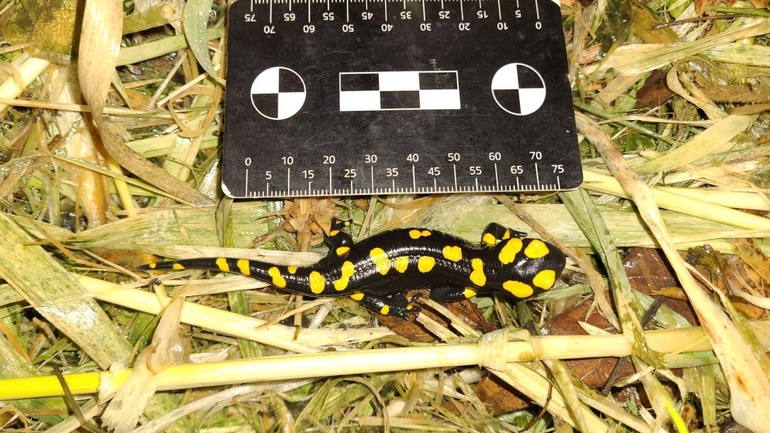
(381,270)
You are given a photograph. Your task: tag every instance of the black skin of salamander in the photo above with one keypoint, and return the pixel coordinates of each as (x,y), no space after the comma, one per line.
(387,293)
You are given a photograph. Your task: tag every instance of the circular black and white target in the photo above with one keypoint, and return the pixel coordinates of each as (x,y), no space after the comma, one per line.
(518,89)
(278,93)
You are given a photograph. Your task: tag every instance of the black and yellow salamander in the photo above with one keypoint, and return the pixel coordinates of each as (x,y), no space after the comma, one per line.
(380,271)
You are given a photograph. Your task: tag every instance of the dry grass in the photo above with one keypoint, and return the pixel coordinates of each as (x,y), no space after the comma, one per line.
(98,178)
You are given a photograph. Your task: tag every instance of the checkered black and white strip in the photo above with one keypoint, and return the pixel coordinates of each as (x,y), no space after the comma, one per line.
(399,90)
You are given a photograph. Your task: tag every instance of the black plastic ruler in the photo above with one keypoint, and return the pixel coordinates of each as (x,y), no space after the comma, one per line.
(348,97)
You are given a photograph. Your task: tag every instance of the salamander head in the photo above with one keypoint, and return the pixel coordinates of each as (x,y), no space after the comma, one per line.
(524,267)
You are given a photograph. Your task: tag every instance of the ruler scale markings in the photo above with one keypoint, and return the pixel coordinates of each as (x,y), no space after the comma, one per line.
(462,12)
(414,179)
(423,10)
(454,170)
(497,180)
(537,175)
(330,180)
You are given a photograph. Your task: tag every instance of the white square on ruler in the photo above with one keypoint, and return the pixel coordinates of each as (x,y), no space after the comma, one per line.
(359,100)
(506,78)
(531,99)
(289,103)
(440,99)
(399,80)
(266,82)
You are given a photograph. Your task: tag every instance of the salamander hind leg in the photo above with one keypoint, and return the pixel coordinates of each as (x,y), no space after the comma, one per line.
(495,233)
(339,241)
(451,293)
(397,304)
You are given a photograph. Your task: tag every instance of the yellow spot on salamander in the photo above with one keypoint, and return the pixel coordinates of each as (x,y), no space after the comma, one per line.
(545,279)
(518,289)
(380,259)
(317,282)
(384,310)
(357,296)
(536,249)
(425,264)
(177,267)
(469,293)
(477,276)
(348,269)
(401,263)
(243,266)
(152,265)
(222,264)
(489,239)
(416,233)
(507,235)
(278,280)
(292,269)
(341,251)
(453,253)
(334,233)
(509,250)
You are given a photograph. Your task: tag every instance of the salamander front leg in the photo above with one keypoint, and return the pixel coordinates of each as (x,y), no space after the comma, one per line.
(495,233)
(397,304)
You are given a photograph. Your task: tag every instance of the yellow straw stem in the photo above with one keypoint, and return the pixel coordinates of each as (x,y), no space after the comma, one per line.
(491,353)
(754,200)
(46,386)
(687,205)
(228,323)
(29,70)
